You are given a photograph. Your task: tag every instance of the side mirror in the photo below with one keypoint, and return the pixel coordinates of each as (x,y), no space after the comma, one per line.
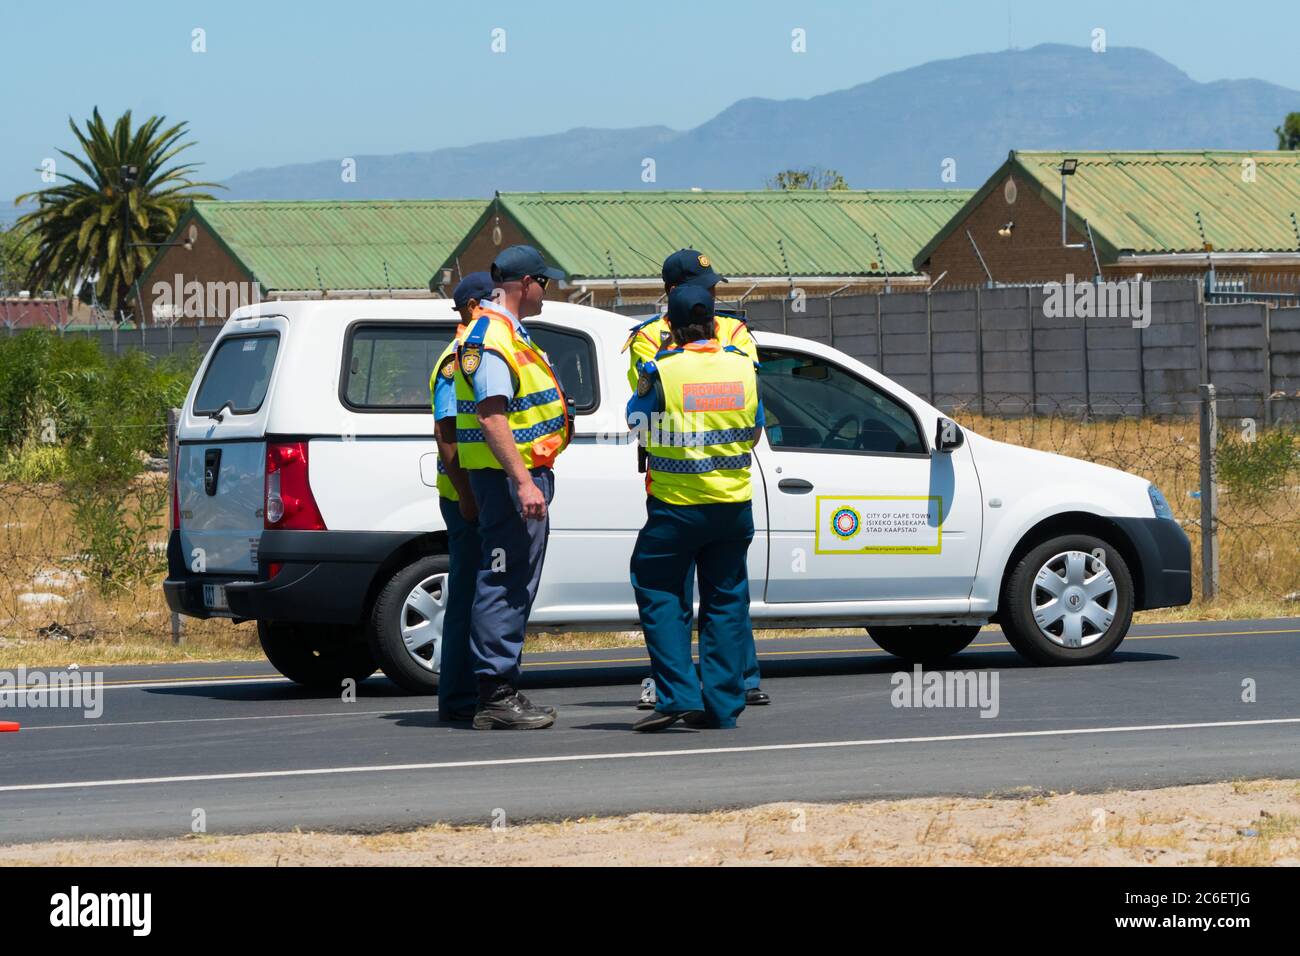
(948,435)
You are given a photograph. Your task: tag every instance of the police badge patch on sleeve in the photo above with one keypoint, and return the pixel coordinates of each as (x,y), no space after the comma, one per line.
(469,359)
(448,370)
(644,382)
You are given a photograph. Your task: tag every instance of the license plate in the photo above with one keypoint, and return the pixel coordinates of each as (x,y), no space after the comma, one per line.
(214,597)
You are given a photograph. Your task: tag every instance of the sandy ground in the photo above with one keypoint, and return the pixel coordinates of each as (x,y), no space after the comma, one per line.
(1240,823)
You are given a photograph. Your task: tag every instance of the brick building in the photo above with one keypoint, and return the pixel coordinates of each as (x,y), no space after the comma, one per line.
(611,244)
(223,254)
(1227,215)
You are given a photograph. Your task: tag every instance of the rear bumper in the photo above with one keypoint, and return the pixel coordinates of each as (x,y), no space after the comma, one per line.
(1165,562)
(325,577)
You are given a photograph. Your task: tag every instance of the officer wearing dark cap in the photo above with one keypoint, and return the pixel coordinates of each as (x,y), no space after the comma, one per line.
(457,686)
(511,424)
(692,267)
(697,412)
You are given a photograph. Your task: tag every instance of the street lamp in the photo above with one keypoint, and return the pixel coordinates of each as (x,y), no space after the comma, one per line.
(1068,167)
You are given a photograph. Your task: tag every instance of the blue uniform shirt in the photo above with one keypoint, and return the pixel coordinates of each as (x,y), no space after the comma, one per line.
(646,405)
(444,396)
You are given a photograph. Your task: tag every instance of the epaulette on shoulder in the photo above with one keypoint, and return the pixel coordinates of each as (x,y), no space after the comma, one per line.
(644,322)
(478,331)
(631,335)
(664,353)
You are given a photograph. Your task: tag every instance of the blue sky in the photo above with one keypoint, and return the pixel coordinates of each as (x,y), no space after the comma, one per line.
(288,81)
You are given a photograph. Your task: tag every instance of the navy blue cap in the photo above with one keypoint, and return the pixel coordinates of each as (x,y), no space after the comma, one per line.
(690,267)
(516,262)
(476,285)
(683,300)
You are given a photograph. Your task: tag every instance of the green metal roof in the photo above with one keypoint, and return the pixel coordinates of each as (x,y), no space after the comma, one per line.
(822,233)
(284,243)
(1147,202)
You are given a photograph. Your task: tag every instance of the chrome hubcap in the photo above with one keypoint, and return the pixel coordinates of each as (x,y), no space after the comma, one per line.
(1074,599)
(422,617)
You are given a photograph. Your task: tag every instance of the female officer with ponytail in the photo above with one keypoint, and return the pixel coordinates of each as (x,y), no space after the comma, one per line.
(697,411)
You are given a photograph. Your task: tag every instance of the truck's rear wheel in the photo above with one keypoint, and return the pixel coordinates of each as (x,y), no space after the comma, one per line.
(406,624)
(1068,601)
(924,643)
(319,656)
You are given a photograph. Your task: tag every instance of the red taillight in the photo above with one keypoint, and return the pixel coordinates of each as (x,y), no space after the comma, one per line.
(290,504)
(273,569)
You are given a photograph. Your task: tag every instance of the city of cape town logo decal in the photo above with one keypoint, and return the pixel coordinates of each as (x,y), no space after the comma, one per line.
(845,523)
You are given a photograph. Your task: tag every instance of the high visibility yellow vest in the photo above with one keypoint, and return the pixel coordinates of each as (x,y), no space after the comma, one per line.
(446,367)
(698,452)
(536,412)
(654,334)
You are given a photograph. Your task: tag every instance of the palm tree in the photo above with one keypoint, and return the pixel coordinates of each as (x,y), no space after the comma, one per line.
(99,228)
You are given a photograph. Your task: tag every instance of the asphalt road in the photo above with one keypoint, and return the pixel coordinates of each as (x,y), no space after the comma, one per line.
(254,752)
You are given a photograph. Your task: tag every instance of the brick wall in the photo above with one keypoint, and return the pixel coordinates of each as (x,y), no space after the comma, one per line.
(208,262)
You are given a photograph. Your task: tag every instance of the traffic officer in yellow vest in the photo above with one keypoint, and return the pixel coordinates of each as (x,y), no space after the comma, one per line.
(692,267)
(457,687)
(697,411)
(511,424)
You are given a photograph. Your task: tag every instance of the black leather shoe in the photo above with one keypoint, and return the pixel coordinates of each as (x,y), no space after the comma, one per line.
(544,708)
(660,721)
(756,697)
(511,713)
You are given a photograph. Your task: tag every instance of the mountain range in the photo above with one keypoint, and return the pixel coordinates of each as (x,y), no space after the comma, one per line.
(892,132)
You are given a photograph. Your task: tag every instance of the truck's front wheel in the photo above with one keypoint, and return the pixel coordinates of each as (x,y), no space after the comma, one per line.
(924,643)
(318,656)
(1068,601)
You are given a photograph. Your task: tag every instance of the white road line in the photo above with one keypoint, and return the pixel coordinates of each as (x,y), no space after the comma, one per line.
(98,724)
(576,758)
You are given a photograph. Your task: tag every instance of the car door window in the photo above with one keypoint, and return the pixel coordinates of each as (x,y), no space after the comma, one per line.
(387,367)
(573,359)
(812,404)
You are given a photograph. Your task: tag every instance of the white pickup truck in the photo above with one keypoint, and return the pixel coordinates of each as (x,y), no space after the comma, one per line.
(305,501)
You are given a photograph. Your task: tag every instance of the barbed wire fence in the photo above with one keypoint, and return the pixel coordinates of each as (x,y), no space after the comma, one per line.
(82,563)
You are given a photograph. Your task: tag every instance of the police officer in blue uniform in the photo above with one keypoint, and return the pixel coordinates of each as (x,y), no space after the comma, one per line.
(692,267)
(697,412)
(457,686)
(511,424)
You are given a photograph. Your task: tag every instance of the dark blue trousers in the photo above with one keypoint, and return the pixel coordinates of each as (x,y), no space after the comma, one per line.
(715,538)
(510,566)
(457,685)
(752,677)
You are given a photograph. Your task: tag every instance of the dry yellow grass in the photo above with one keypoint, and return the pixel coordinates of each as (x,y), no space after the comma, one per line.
(1228,824)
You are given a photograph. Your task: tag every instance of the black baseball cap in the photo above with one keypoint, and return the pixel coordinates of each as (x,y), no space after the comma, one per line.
(476,285)
(683,300)
(690,267)
(514,263)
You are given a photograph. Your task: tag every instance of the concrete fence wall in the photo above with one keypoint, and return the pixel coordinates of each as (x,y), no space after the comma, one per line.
(1000,352)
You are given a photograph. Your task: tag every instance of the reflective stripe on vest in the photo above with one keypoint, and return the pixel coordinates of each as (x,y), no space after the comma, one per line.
(537,414)
(699,452)
(445,488)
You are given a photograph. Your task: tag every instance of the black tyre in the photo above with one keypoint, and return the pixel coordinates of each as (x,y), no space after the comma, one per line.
(1068,601)
(319,656)
(924,644)
(405,631)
